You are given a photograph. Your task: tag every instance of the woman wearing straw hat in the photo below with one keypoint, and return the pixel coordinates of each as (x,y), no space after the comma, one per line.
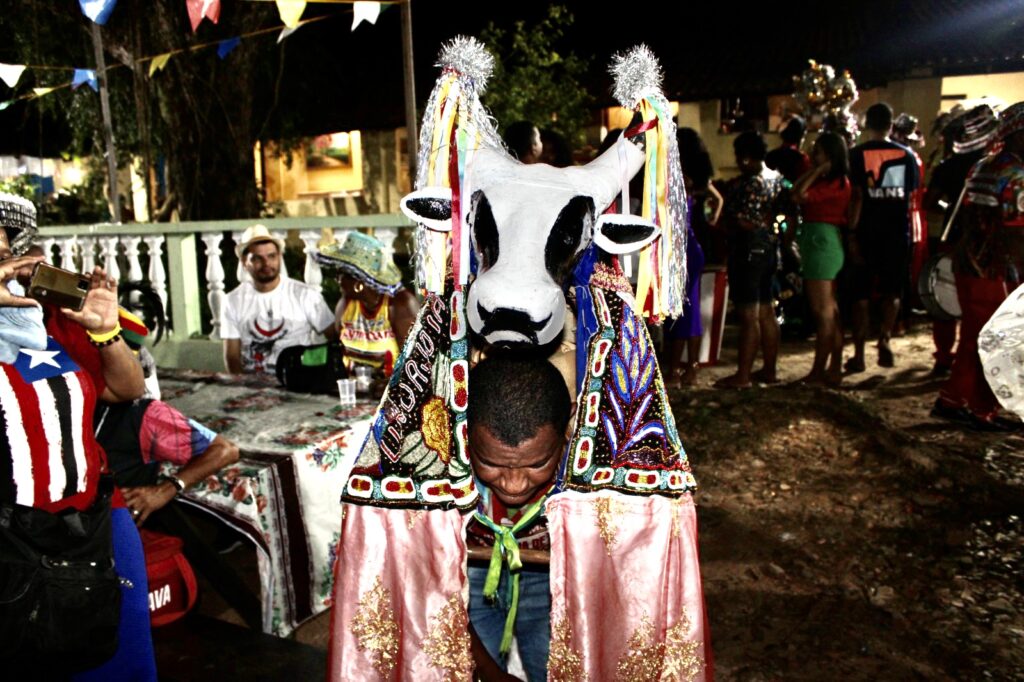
(375,313)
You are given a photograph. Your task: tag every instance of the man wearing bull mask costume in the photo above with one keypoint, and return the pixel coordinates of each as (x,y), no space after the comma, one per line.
(988,264)
(502,248)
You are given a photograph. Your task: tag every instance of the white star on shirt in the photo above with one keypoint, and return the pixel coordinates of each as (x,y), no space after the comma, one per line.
(41,357)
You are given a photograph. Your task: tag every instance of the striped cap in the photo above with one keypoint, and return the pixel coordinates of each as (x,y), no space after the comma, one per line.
(1011,120)
(979,128)
(18,218)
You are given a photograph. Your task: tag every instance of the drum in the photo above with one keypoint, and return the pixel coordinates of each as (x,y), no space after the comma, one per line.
(937,288)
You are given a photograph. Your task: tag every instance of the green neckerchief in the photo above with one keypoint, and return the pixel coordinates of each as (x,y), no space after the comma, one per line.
(506,550)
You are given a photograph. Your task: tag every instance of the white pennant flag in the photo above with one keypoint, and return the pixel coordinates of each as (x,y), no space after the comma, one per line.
(364,11)
(11,74)
(285,32)
(291,11)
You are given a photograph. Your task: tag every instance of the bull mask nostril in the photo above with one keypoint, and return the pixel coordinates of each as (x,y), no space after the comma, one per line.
(508,319)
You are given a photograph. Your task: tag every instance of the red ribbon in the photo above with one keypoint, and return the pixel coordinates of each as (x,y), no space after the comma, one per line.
(453,182)
(640,128)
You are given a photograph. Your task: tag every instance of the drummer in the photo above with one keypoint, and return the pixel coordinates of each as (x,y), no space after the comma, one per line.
(988,262)
(966,139)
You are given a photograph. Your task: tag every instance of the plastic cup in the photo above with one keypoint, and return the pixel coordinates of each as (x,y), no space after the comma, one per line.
(364,376)
(347,391)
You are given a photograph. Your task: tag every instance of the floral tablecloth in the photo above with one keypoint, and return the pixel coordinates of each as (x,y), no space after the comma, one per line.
(284,492)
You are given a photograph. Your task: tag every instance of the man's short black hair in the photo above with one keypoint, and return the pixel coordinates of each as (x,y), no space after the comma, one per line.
(794,131)
(878,117)
(514,397)
(519,138)
(750,145)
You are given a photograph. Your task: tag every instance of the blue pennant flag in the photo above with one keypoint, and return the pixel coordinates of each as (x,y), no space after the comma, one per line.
(97,10)
(86,77)
(224,47)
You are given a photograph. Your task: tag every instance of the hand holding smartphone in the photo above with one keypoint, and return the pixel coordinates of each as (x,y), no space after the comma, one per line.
(63,288)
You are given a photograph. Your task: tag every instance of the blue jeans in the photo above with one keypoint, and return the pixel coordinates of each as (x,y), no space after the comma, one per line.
(533,618)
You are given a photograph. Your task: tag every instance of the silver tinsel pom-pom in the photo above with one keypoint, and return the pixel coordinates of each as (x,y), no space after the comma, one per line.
(469,58)
(637,74)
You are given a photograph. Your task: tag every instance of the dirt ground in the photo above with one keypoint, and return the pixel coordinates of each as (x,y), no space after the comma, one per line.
(845,534)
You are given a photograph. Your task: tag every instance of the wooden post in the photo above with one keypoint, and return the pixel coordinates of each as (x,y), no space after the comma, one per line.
(108,128)
(409,80)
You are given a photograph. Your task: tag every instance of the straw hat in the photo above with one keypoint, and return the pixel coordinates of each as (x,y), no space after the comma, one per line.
(362,257)
(979,126)
(256,235)
(18,217)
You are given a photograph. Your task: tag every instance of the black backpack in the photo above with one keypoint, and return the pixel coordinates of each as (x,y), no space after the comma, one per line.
(60,597)
(312,369)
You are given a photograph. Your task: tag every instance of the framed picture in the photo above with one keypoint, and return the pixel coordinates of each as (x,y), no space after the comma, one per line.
(330,151)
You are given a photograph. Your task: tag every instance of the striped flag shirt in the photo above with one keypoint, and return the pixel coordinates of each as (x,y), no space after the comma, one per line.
(49,458)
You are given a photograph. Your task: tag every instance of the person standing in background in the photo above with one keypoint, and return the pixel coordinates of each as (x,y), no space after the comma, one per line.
(752,202)
(966,138)
(705,207)
(787,158)
(988,264)
(884,176)
(824,194)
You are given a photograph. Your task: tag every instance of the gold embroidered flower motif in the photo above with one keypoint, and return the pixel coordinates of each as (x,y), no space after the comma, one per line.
(607,509)
(447,643)
(436,428)
(564,663)
(375,628)
(674,660)
(682,661)
(642,660)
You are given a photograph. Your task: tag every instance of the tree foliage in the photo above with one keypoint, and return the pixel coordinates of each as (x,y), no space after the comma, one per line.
(533,80)
(200,114)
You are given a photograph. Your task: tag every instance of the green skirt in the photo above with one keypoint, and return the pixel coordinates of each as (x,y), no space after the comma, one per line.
(821,250)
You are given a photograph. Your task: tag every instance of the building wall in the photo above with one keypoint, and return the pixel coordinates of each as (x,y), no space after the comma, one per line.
(1007,87)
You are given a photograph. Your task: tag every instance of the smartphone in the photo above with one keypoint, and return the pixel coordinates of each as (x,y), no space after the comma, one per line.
(58,287)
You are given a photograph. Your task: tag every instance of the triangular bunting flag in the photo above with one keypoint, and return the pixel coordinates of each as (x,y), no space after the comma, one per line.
(85,77)
(197,9)
(4,105)
(364,11)
(159,62)
(224,47)
(290,11)
(285,32)
(97,10)
(39,92)
(11,74)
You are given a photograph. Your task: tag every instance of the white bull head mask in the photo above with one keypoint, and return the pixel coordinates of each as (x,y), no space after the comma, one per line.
(529,224)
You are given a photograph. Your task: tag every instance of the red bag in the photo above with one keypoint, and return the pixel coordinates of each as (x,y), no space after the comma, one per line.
(172,584)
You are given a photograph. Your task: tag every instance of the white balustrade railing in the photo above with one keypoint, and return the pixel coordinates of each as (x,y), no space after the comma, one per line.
(120,249)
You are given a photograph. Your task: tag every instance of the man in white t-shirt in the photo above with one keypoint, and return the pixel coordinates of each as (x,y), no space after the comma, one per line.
(261,317)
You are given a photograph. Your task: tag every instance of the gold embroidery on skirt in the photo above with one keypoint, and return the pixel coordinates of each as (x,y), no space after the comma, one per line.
(681,659)
(414,515)
(375,628)
(564,663)
(674,660)
(607,508)
(677,514)
(447,643)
